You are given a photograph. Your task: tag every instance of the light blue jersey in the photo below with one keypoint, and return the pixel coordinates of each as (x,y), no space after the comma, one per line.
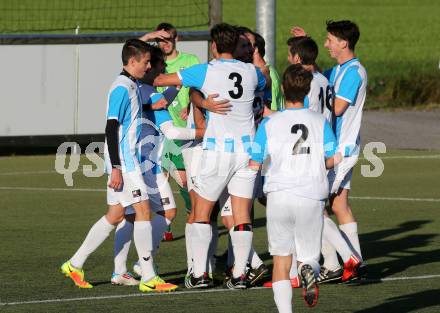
(234,81)
(123,105)
(296,143)
(349,82)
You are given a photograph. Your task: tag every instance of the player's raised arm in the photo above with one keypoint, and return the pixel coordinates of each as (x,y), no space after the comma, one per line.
(158,34)
(297,31)
(261,64)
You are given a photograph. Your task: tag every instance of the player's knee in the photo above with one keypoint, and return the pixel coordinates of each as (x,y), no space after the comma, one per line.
(228,222)
(114,219)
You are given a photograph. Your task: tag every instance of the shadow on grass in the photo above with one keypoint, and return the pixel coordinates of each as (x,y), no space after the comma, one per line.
(408,303)
(402,251)
(378,244)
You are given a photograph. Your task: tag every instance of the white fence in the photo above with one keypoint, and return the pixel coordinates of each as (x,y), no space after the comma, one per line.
(61,89)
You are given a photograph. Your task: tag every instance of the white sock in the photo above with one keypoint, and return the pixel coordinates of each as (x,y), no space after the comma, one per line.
(212,248)
(294,268)
(189,257)
(282,294)
(254,259)
(328,251)
(332,234)
(123,235)
(241,243)
(200,240)
(144,245)
(96,236)
(230,261)
(159,224)
(350,232)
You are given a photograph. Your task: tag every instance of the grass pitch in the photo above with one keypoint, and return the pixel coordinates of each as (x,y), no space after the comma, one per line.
(43,222)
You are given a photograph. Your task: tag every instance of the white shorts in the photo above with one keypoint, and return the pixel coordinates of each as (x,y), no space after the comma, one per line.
(160,195)
(294,224)
(219,170)
(225,198)
(340,175)
(192,157)
(133,190)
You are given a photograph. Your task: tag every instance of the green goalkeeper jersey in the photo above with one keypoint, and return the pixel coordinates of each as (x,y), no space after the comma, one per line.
(183,60)
(277,95)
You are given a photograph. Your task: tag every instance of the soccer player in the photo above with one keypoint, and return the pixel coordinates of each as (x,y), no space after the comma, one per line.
(304,50)
(300,144)
(349,82)
(192,156)
(226,140)
(156,124)
(166,37)
(125,185)
(257,41)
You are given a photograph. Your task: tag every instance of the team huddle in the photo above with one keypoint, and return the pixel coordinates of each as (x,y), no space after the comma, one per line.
(230,132)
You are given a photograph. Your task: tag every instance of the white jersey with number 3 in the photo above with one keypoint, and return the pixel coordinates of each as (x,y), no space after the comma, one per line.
(296,143)
(237,82)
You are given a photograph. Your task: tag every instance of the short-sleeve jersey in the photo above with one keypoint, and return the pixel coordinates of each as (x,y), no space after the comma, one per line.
(123,105)
(151,138)
(183,60)
(237,82)
(295,143)
(349,83)
(320,96)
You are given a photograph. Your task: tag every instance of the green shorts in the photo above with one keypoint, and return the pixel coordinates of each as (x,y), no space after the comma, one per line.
(172,155)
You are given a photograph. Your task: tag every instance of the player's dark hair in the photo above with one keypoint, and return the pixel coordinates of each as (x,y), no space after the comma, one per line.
(242,30)
(225,37)
(244,51)
(168,28)
(134,48)
(260,44)
(296,83)
(345,30)
(305,47)
(158,65)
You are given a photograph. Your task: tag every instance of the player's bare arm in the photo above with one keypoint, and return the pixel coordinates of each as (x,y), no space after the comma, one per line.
(167,80)
(160,104)
(263,66)
(334,160)
(199,118)
(159,34)
(340,106)
(298,31)
(210,104)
